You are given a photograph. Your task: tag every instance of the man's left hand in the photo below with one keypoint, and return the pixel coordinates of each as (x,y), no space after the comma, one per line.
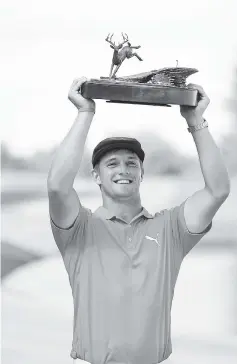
(194,114)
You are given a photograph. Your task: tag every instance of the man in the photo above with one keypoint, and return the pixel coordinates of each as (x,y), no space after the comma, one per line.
(123,262)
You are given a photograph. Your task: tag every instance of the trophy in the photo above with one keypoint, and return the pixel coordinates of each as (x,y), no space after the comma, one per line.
(162,87)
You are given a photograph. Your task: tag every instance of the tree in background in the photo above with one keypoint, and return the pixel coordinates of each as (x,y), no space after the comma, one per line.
(86,164)
(161,158)
(39,161)
(8,161)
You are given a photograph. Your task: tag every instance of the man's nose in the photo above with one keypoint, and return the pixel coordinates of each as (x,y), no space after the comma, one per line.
(123,169)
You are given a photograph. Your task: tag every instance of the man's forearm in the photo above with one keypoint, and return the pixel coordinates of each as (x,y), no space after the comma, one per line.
(212,165)
(68,156)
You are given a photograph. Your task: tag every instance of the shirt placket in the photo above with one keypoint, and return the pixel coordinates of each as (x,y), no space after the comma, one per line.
(129,237)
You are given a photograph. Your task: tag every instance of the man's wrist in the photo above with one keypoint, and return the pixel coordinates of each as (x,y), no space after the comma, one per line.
(193,121)
(86,109)
(197,127)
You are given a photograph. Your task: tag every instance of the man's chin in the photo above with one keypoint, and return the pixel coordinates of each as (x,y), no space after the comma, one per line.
(125,193)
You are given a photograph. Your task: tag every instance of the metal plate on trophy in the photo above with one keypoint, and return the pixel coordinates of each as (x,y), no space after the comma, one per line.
(162,87)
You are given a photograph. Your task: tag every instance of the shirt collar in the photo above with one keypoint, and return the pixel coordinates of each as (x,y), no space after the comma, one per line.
(105,214)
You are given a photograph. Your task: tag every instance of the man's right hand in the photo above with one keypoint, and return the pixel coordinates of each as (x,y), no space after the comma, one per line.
(76,98)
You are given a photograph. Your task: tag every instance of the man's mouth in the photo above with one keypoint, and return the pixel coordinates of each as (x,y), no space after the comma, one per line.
(123,181)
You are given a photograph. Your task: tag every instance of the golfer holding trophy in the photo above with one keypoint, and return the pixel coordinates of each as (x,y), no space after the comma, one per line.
(121,260)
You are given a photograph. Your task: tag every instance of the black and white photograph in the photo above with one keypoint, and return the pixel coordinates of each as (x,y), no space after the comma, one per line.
(118,182)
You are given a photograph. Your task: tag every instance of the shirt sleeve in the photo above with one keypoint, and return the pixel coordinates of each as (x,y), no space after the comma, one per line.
(71,239)
(182,238)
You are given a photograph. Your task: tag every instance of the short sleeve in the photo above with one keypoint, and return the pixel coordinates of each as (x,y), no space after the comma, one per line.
(183,239)
(73,236)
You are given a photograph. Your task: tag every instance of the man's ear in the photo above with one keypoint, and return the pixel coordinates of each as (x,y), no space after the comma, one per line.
(142,172)
(95,175)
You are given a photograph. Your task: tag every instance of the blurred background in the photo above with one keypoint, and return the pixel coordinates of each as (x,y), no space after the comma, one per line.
(44,46)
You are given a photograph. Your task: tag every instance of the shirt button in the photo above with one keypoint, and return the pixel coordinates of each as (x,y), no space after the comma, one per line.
(130,239)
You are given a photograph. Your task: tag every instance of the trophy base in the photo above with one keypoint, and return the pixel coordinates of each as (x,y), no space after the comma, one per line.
(137,93)
(136,103)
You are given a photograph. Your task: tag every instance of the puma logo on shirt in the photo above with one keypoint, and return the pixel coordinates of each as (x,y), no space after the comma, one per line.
(150,238)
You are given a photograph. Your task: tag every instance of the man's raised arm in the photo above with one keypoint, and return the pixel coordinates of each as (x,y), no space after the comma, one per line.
(201,207)
(63,200)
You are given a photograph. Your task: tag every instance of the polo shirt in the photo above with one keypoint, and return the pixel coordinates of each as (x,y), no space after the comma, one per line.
(122,277)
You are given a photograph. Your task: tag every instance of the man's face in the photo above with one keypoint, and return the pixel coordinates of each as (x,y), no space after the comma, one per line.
(119,173)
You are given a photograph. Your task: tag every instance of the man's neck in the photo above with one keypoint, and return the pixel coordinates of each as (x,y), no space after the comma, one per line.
(124,209)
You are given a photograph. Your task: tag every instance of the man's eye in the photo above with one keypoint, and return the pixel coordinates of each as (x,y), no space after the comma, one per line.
(111,164)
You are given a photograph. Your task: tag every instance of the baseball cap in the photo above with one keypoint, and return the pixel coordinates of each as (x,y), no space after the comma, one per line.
(109,144)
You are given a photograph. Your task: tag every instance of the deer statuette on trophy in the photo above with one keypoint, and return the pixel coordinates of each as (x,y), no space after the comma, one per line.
(121,53)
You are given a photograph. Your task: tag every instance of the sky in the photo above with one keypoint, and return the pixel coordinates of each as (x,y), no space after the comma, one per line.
(46,44)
